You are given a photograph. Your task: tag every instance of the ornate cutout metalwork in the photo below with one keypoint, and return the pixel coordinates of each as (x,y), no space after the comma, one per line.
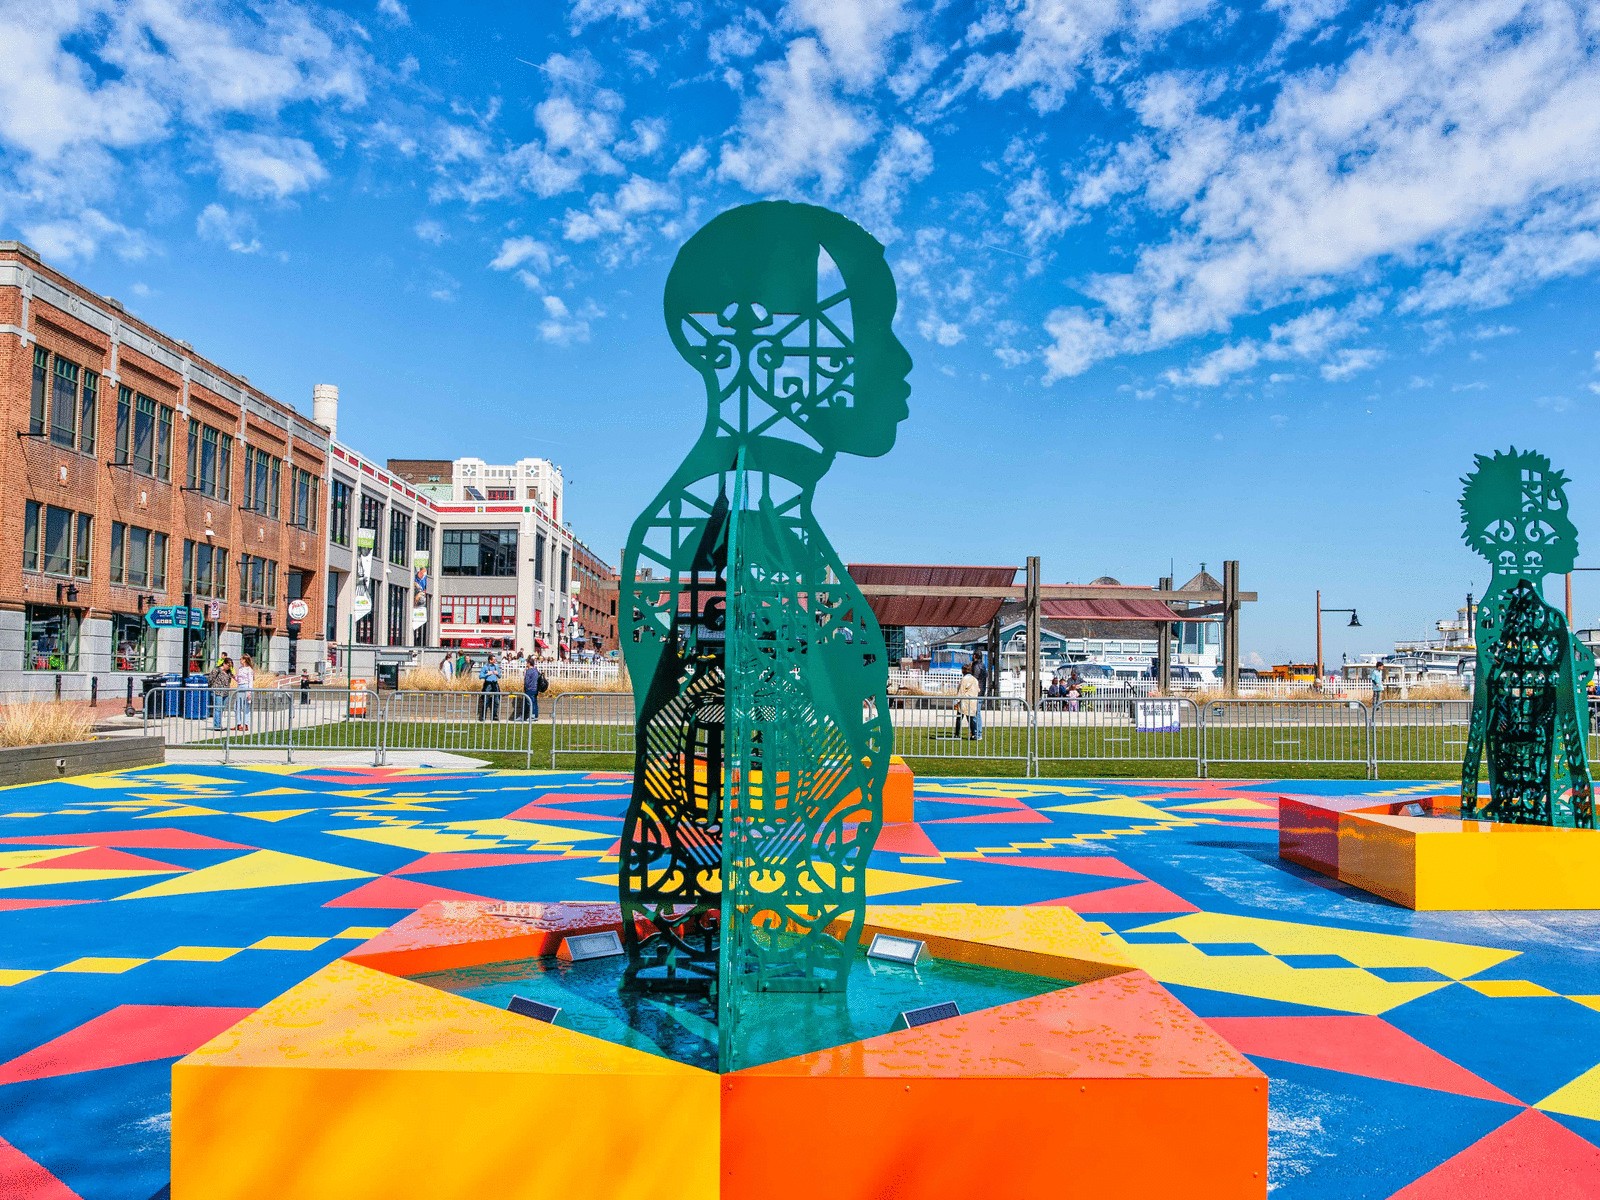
(1529,701)
(760,674)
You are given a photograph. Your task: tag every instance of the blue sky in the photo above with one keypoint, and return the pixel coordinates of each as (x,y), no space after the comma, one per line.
(1183,281)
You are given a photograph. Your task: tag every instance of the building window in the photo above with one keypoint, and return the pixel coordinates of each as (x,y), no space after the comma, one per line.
(364,630)
(133,644)
(144,434)
(64,404)
(138,557)
(399,604)
(491,552)
(371,513)
(50,638)
(478,610)
(210,461)
(502,493)
(339,514)
(258,581)
(41,379)
(205,570)
(56,541)
(425,539)
(564,578)
(257,643)
(303,507)
(89,412)
(261,472)
(83,545)
(399,539)
(538,558)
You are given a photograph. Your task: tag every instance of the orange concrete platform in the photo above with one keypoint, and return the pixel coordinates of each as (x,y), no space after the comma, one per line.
(357,1084)
(1438,861)
(899,801)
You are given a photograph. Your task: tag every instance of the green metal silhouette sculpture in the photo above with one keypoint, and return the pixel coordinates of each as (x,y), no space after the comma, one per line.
(759,671)
(1529,699)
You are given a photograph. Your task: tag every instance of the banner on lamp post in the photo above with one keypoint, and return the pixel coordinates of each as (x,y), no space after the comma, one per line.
(366,540)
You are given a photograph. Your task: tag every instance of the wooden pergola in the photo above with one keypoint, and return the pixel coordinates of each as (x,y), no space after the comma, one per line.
(1193,604)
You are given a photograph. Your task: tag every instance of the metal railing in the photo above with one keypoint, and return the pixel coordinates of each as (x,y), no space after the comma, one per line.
(264,719)
(591,723)
(1103,729)
(1097,735)
(940,727)
(1321,732)
(459,722)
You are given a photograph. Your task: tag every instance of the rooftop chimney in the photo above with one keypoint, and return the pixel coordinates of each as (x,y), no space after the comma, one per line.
(325,408)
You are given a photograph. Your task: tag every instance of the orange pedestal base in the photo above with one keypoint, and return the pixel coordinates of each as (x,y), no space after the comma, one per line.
(360,1084)
(1437,861)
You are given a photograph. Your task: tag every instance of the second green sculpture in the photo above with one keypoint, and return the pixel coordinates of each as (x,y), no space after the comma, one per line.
(1530,714)
(759,671)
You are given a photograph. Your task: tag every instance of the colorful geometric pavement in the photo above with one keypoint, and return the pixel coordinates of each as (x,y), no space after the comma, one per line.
(1412,1055)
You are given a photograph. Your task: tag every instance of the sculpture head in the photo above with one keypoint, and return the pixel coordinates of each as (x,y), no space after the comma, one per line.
(1514,510)
(786,310)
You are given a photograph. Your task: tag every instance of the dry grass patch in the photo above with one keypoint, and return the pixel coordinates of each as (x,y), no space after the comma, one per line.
(43,724)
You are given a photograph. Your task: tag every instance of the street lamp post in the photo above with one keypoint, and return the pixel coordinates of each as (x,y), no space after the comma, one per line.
(1355,623)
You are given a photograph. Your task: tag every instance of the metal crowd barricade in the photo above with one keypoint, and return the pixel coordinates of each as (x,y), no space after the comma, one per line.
(933,727)
(458,722)
(1420,732)
(263,719)
(591,723)
(1268,732)
(1092,730)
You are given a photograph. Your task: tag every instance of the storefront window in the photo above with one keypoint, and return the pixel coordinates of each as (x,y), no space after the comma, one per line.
(133,644)
(50,638)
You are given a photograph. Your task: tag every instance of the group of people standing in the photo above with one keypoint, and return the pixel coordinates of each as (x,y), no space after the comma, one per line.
(534,684)
(232,692)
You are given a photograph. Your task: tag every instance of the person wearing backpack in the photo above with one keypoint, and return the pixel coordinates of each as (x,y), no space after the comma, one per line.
(534,685)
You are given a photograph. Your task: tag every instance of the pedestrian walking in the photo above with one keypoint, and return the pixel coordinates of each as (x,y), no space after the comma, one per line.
(305,687)
(448,667)
(533,685)
(221,683)
(247,682)
(1377,685)
(489,699)
(967,704)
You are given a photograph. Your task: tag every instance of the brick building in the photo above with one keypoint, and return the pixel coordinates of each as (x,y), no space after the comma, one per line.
(594,600)
(138,472)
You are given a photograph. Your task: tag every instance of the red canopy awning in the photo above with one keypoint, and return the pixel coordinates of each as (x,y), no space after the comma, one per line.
(961,611)
(1134,608)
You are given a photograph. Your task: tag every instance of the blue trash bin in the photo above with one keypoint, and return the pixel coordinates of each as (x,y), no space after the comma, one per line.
(171,703)
(196,697)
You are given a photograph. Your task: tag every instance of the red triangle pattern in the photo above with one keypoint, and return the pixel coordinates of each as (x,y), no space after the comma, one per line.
(540,812)
(1356,1045)
(388,892)
(1021,816)
(468,859)
(129,1033)
(132,839)
(101,859)
(23,1179)
(13,905)
(1530,1157)
(906,838)
(1078,864)
(1129,898)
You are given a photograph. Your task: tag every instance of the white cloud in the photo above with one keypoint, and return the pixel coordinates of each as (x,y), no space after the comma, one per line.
(1077,342)
(82,235)
(1302,16)
(519,251)
(1461,135)
(1045,47)
(904,158)
(265,167)
(1308,336)
(630,12)
(431,231)
(795,128)
(855,34)
(563,327)
(236,231)
(395,11)
(1349,362)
